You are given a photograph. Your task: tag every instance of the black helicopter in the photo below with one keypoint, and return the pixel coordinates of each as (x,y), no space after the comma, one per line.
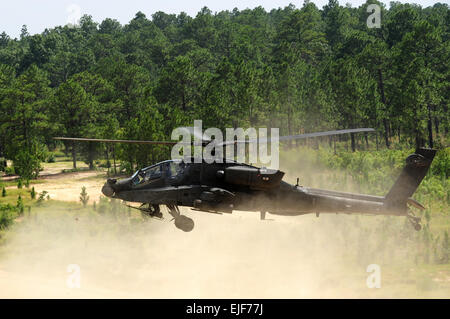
(230,185)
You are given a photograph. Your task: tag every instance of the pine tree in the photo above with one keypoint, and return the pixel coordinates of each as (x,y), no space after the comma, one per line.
(3,191)
(19,205)
(33,193)
(41,197)
(84,198)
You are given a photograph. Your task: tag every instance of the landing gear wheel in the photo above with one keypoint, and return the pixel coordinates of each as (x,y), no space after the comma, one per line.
(415,221)
(184,223)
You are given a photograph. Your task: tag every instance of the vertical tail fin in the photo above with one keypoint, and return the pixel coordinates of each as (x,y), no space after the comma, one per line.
(416,168)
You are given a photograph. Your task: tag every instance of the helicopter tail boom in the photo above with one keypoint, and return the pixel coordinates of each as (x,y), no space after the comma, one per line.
(396,200)
(394,203)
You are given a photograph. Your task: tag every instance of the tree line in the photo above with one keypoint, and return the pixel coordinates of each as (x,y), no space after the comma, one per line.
(300,69)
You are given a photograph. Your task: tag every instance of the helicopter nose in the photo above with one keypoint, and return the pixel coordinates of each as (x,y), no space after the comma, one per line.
(107,189)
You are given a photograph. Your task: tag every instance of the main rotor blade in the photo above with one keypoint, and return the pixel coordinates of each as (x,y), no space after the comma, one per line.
(301,136)
(205,141)
(81,139)
(327,133)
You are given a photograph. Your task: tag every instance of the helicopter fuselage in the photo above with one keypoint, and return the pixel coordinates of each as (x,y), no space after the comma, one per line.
(224,187)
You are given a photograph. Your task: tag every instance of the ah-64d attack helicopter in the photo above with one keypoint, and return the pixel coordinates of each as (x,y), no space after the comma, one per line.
(230,185)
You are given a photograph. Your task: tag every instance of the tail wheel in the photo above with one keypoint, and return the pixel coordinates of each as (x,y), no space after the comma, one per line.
(415,221)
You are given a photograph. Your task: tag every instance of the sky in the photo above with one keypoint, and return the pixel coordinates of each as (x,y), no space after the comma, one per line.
(41,14)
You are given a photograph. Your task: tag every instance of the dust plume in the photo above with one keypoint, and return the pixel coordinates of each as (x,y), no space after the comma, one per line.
(225,256)
(120,255)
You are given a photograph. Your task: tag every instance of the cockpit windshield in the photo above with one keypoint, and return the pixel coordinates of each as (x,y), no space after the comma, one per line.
(149,174)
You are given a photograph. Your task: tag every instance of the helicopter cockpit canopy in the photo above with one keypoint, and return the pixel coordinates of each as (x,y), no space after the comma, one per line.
(170,169)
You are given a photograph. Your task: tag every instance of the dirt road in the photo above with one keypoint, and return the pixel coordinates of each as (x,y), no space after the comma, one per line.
(67,187)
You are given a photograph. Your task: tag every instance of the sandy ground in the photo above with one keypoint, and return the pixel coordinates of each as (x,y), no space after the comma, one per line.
(229,256)
(67,187)
(49,170)
(18,285)
(225,256)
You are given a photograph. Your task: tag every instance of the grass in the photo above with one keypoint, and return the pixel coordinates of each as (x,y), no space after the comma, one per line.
(13,194)
(13,183)
(62,163)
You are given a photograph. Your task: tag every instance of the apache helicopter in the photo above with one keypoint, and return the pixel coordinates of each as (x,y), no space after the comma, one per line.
(230,185)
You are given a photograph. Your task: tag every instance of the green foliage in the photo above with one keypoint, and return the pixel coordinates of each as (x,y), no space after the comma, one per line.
(300,69)
(20,207)
(19,183)
(28,162)
(51,158)
(6,215)
(42,196)
(3,191)
(2,164)
(84,198)
(375,171)
(10,171)
(33,193)
(441,163)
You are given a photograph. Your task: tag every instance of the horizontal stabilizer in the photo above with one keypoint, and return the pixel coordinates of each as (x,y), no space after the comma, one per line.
(416,168)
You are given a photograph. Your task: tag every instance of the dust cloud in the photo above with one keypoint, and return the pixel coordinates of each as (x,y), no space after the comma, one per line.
(224,257)
(121,255)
